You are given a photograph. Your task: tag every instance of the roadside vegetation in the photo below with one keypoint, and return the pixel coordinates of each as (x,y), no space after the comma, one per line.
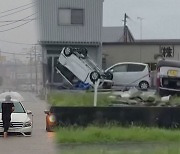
(175,100)
(104,99)
(115,134)
(118,140)
(77,99)
(75,139)
(124,148)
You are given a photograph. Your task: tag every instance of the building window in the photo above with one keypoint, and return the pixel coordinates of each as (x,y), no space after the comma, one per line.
(71,16)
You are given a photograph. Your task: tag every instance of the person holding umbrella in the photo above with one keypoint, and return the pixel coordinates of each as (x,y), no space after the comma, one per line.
(7,108)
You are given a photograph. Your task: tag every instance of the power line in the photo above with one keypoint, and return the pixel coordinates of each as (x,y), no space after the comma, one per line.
(16,11)
(23,54)
(19,43)
(16,26)
(17,20)
(11,53)
(16,8)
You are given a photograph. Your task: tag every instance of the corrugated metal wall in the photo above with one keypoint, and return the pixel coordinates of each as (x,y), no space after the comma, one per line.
(51,31)
(135,53)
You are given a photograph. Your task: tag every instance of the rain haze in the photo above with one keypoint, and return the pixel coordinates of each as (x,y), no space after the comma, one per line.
(24,34)
(101,75)
(159,20)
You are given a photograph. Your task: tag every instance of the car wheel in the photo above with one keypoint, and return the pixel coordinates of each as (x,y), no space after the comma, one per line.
(84,53)
(143,85)
(108,75)
(94,76)
(68,51)
(48,129)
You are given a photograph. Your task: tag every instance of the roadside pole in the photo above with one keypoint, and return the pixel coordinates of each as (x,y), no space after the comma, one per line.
(36,69)
(46,90)
(15,70)
(95,92)
(30,54)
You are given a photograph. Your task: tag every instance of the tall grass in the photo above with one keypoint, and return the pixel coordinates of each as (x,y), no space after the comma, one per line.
(77,99)
(114,134)
(136,148)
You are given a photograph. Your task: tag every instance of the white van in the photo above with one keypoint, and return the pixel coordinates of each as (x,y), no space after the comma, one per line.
(130,74)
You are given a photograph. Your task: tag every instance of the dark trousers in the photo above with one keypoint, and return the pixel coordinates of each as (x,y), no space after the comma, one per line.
(6,124)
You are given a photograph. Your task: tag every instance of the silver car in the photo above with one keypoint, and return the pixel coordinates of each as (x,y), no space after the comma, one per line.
(131,74)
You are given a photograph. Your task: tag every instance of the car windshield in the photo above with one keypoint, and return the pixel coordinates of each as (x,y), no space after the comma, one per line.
(18,107)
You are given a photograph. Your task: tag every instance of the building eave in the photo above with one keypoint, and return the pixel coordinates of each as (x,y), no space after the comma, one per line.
(146,42)
(69,43)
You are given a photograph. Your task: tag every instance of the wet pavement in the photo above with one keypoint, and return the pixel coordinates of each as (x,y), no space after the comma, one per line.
(40,142)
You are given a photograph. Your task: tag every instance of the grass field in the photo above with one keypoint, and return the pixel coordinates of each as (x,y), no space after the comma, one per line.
(122,148)
(111,139)
(86,99)
(115,134)
(77,99)
(118,140)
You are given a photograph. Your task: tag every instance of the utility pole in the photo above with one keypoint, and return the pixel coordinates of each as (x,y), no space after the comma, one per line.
(36,68)
(2,69)
(125,27)
(0,56)
(15,70)
(30,68)
(140,18)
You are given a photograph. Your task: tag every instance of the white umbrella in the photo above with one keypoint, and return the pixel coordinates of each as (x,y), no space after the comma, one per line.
(14,95)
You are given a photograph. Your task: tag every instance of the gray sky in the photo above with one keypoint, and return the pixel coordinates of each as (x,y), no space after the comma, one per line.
(161,17)
(26,33)
(160,20)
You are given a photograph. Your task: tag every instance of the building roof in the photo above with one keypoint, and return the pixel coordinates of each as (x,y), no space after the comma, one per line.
(149,42)
(166,41)
(115,34)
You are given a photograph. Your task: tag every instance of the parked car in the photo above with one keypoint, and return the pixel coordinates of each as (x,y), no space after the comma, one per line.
(131,74)
(168,77)
(21,123)
(82,66)
(51,122)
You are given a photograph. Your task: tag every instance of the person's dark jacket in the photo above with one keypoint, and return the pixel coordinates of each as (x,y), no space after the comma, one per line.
(7,109)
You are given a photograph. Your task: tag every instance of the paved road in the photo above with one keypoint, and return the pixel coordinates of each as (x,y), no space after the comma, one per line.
(40,142)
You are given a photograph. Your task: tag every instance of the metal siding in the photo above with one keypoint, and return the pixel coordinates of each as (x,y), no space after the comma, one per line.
(134,53)
(51,31)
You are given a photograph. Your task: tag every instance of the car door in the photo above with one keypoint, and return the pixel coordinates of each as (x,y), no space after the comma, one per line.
(135,74)
(119,72)
(77,67)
